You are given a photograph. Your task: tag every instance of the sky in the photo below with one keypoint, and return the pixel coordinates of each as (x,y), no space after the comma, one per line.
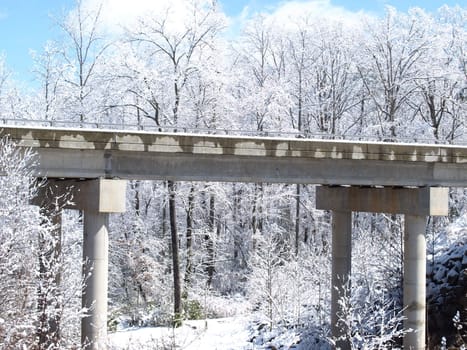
(26,25)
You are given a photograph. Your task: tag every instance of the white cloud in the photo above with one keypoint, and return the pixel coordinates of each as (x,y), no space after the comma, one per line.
(287,14)
(119,14)
(236,23)
(290,12)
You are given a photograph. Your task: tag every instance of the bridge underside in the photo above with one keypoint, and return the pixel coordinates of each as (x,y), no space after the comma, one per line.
(88,164)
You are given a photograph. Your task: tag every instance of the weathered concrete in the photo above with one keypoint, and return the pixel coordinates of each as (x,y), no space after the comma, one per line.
(157,156)
(97,198)
(424,201)
(102,196)
(417,204)
(415,281)
(341,269)
(95,269)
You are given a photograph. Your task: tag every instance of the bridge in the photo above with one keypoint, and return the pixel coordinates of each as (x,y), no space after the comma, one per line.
(410,179)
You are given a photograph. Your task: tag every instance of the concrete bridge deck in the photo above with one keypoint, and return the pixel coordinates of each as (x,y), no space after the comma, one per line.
(85,153)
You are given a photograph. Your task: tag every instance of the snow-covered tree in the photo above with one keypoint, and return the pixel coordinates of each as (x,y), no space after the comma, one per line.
(83,52)
(35,291)
(19,227)
(370,319)
(266,280)
(262,103)
(388,70)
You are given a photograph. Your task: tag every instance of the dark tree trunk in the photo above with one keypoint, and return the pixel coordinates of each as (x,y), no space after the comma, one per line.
(164,215)
(175,256)
(257,211)
(237,227)
(210,269)
(189,239)
(297,218)
(137,205)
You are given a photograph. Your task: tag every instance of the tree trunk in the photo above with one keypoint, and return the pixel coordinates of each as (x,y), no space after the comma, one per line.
(189,239)
(137,205)
(256,220)
(164,215)
(175,256)
(238,227)
(210,269)
(208,236)
(297,218)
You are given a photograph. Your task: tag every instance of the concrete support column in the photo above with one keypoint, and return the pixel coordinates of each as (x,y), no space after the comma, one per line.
(97,198)
(414,281)
(95,272)
(341,269)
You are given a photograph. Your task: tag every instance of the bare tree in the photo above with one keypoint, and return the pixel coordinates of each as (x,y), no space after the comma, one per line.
(49,71)
(175,51)
(388,68)
(83,51)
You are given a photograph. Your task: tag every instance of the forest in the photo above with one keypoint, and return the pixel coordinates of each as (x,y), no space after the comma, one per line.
(185,251)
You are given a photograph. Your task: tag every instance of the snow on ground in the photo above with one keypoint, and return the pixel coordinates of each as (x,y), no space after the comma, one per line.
(231,333)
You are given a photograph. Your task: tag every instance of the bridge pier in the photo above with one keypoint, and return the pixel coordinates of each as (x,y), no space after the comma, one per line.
(97,199)
(95,265)
(341,270)
(415,281)
(416,204)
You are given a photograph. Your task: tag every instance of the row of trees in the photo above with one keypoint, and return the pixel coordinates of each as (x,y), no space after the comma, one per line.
(396,76)
(181,245)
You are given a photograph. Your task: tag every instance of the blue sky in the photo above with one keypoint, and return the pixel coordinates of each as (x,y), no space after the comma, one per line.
(28,24)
